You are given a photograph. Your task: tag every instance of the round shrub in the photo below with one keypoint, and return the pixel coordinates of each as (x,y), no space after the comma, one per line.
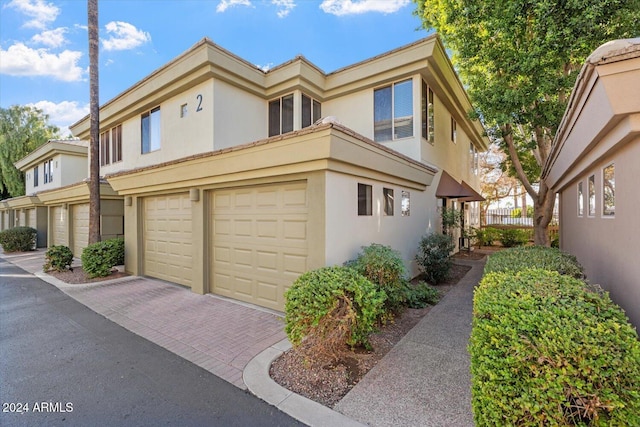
(99,258)
(485,236)
(517,259)
(18,239)
(545,351)
(57,258)
(510,237)
(434,256)
(420,295)
(383,266)
(318,293)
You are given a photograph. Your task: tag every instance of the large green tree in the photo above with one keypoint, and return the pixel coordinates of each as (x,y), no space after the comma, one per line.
(519,60)
(22,130)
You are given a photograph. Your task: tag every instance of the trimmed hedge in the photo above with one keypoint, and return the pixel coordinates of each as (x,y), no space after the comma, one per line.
(58,258)
(18,239)
(383,266)
(546,351)
(521,258)
(99,258)
(486,236)
(510,237)
(317,293)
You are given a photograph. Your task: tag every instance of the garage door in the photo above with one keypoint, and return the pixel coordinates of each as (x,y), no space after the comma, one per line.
(80,228)
(167,238)
(258,242)
(31,218)
(59,225)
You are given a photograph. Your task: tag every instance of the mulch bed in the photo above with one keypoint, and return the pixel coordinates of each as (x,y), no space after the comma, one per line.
(77,276)
(328,383)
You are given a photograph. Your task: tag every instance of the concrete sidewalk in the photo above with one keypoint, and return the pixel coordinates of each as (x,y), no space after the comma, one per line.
(424,380)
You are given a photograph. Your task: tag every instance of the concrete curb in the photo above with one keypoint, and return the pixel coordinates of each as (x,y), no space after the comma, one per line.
(256,377)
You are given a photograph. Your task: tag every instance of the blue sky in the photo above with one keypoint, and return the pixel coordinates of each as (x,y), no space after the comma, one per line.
(44,48)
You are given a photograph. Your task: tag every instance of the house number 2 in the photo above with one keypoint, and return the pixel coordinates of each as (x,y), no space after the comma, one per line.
(199,98)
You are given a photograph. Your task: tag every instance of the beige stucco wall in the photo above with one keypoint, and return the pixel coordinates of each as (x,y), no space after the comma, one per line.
(239,117)
(67,169)
(347,232)
(606,247)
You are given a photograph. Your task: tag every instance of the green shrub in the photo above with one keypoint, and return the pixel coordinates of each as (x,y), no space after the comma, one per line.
(545,351)
(18,239)
(420,295)
(555,243)
(486,236)
(510,237)
(434,256)
(383,266)
(99,258)
(58,258)
(517,259)
(320,294)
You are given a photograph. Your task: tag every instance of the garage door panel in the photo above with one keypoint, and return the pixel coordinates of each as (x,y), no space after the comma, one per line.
(167,235)
(258,242)
(59,224)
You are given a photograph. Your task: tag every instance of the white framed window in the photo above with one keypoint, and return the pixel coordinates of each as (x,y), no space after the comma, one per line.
(592,195)
(580,200)
(426,113)
(311,111)
(150,130)
(609,191)
(105,157)
(387,194)
(48,171)
(365,200)
(281,115)
(35,176)
(116,144)
(393,111)
(406,203)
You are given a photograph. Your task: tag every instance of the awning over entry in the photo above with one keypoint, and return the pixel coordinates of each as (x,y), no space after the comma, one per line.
(449,188)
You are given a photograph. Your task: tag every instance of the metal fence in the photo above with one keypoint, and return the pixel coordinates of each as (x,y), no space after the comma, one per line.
(505,216)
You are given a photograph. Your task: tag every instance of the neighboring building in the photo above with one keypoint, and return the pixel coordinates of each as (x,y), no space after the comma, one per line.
(593,165)
(57,196)
(233,185)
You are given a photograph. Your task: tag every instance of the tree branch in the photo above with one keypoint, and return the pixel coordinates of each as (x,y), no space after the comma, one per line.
(507,135)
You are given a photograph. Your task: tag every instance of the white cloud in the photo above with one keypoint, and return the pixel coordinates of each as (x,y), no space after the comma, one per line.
(352,7)
(20,60)
(265,68)
(285,6)
(41,12)
(63,114)
(225,4)
(124,36)
(51,38)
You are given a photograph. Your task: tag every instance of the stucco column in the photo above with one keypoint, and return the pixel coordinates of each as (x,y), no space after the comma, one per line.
(133,235)
(199,230)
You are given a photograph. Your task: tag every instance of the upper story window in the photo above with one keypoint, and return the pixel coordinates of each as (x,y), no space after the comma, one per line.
(35,176)
(592,195)
(105,157)
(393,111)
(428,125)
(116,144)
(150,127)
(454,130)
(48,171)
(311,111)
(580,200)
(473,159)
(281,115)
(609,191)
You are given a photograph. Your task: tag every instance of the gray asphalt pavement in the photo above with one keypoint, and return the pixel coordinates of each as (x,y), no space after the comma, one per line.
(73,367)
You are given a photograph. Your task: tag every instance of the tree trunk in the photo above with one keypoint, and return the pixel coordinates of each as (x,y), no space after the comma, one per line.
(94,111)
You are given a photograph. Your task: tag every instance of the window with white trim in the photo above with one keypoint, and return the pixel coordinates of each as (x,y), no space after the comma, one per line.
(105,157)
(406,203)
(116,144)
(387,194)
(609,191)
(150,130)
(393,111)
(311,111)
(35,176)
(592,195)
(580,200)
(281,115)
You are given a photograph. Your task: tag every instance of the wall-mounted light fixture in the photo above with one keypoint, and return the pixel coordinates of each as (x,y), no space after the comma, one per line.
(194,194)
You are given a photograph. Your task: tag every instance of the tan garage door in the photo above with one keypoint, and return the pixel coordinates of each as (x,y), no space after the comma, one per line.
(80,228)
(167,238)
(31,218)
(59,225)
(258,242)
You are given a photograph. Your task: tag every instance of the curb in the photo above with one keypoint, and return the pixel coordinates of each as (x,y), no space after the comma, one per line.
(257,379)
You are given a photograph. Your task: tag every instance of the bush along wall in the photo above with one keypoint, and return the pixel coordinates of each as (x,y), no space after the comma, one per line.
(18,239)
(99,258)
(521,258)
(546,351)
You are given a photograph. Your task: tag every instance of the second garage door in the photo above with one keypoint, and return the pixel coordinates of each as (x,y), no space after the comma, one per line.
(80,228)
(59,225)
(258,242)
(167,238)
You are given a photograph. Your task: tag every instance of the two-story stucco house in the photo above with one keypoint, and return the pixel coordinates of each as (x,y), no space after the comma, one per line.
(594,166)
(57,196)
(238,180)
